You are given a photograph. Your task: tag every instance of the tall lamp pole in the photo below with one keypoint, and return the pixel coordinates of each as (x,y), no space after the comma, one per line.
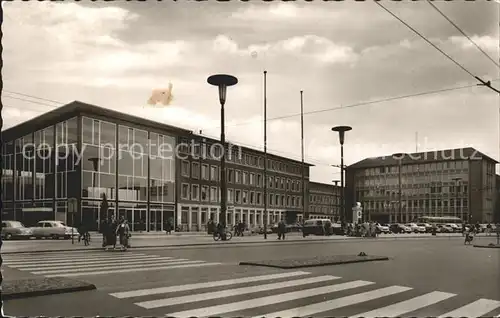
(457,184)
(342,130)
(302,150)
(334,206)
(265,155)
(399,157)
(222,81)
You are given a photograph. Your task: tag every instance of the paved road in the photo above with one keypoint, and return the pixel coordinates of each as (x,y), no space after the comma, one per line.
(174,240)
(423,278)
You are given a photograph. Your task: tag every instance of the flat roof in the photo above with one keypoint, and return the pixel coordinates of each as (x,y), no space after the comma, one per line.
(76,108)
(468,153)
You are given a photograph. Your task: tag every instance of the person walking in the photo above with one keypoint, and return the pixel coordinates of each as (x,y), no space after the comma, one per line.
(123,232)
(281,230)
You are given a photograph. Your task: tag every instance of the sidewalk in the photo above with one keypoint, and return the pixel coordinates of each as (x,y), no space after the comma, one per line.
(152,241)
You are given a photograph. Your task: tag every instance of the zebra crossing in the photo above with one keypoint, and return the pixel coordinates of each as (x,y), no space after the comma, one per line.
(320,295)
(95,263)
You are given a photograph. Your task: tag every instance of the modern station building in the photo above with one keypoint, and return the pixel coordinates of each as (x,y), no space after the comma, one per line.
(453,182)
(147,172)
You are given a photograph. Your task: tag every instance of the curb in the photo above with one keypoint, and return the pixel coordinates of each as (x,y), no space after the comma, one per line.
(228,244)
(36,293)
(487,246)
(373,259)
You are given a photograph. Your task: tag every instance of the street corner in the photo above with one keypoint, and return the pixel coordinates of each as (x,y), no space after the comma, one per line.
(41,286)
(317,261)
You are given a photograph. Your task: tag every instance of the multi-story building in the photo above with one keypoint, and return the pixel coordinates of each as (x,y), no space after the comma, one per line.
(148,172)
(324,201)
(199,184)
(455,182)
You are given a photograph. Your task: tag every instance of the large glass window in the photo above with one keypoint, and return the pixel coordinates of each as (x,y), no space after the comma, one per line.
(8,171)
(44,164)
(162,170)
(25,153)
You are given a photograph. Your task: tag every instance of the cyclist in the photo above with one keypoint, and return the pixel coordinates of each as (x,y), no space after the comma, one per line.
(220,231)
(82,231)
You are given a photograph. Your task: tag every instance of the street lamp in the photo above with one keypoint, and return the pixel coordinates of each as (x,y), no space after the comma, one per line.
(335,195)
(457,184)
(222,81)
(342,130)
(399,157)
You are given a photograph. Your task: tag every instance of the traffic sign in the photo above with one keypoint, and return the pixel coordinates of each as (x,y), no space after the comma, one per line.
(72,205)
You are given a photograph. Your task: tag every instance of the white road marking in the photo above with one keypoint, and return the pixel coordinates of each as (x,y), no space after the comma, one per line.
(86,269)
(72,260)
(232,292)
(325,306)
(179,288)
(270,300)
(475,309)
(130,270)
(63,264)
(409,305)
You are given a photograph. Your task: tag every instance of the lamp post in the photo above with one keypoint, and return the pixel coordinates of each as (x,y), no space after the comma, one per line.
(222,81)
(335,195)
(342,130)
(265,156)
(399,157)
(457,184)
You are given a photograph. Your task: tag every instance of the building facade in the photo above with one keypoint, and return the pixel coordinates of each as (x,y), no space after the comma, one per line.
(147,172)
(324,201)
(456,182)
(199,185)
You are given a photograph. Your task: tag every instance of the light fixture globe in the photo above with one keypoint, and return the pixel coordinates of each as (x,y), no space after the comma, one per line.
(341,130)
(222,81)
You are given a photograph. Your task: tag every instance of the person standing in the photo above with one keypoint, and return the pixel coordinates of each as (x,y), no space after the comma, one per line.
(123,232)
(281,230)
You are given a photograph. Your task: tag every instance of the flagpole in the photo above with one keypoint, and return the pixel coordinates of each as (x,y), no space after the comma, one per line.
(302,150)
(265,155)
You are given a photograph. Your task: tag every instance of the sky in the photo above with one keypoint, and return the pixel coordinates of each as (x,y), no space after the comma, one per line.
(341,54)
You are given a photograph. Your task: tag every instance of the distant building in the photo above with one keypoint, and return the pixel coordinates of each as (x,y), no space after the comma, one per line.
(496,217)
(324,201)
(454,182)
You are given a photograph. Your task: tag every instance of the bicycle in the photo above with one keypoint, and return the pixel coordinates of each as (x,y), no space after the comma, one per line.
(217,237)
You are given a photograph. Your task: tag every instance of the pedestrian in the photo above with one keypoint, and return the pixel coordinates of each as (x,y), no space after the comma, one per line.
(123,232)
(168,227)
(281,230)
(488,229)
(104,231)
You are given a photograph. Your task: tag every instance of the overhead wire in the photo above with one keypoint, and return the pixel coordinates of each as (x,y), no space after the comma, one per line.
(463,33)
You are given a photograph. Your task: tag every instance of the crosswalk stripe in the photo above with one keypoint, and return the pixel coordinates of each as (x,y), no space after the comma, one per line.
(406,306)
(232,292)
(16,258)
(93,263)
(85,269)
(269,300)
(179,288)
(337,303)
(130,270)
(105,264)
(475,309)
(71,260)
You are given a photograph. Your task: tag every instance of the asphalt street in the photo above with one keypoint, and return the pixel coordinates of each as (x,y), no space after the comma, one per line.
(426,277)
(176,240)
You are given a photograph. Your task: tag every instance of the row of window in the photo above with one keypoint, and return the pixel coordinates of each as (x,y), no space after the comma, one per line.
(196,192)
(410,181)
(235,155)
(195,170)
(389,205)
(324,199)
(323,209)
(435,167)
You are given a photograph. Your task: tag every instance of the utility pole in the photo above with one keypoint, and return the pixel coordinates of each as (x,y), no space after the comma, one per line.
(265,156)
(302,150)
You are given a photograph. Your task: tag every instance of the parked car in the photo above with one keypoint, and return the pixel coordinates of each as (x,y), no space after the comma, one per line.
(399,228)
(316,227)
(455,227)
(428,227)
(415,228)
(53,229)
(383,228)
(15,230)
(269,230)
(445,228)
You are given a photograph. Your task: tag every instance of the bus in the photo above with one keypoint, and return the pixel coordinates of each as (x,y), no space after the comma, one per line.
(440,220)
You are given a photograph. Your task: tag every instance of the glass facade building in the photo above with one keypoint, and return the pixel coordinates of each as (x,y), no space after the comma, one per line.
(459,186)
(95,154)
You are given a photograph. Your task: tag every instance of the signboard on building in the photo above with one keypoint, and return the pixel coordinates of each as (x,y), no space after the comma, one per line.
(72,205)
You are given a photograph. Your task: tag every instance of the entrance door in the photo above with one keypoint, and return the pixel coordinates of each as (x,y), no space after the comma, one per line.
(139,220)
(155,220)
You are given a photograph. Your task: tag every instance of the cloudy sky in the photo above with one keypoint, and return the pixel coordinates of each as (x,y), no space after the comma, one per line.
(112,54)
